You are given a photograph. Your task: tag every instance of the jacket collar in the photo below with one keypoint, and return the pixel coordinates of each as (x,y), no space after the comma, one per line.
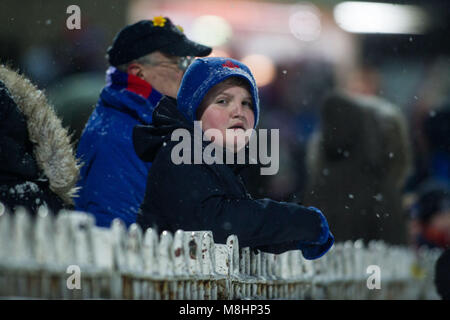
(126,91)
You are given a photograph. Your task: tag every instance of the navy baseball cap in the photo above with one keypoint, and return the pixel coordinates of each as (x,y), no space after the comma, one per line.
(146,36)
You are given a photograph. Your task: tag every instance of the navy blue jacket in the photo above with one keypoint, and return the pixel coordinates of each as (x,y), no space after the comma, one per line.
(113,177)
(212,197)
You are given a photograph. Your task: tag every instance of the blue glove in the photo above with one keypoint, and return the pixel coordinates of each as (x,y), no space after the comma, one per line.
(316,249)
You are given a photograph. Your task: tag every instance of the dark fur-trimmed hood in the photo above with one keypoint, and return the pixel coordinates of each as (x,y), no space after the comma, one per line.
(53,149)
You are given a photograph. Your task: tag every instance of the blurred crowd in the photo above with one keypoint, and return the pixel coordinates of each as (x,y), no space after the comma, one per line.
(380,170)
(379,167)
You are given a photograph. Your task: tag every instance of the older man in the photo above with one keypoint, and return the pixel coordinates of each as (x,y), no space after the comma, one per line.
(147,61)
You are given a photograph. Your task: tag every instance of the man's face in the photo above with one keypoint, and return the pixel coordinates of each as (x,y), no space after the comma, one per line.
(163,73)
(228,108)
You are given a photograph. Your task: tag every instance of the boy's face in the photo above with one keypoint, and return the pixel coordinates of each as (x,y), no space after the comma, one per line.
(228,108)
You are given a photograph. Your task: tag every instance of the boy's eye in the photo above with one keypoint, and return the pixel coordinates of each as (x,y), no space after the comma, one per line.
(221,101)
(247,104)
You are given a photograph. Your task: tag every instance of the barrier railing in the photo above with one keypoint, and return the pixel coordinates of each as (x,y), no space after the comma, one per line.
(68,257)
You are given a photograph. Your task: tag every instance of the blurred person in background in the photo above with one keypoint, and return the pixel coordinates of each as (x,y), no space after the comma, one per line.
(292,103)
(430,223)
(437,134)
(357,163)
(77,67)
(429,195)
(147,60)
(38,166)
(429,123)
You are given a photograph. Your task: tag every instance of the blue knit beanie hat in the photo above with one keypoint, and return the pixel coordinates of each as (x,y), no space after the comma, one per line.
(204,74)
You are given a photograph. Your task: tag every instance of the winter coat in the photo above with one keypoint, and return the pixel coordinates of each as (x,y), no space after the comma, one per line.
(213,197)
(37,165)
(113,177)
(357,165)
(437,133)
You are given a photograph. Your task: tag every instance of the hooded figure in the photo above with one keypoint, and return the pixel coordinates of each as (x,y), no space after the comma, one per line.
(437,133)
(357,165)
(431,215)
(38,166)
(212,196)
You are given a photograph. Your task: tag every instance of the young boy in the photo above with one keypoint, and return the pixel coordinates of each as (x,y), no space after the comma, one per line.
(222,94)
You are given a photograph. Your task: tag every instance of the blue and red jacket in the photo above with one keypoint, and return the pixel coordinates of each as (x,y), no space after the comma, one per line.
(113,178)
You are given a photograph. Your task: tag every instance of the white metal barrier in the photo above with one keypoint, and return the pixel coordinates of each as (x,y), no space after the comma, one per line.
(68,257)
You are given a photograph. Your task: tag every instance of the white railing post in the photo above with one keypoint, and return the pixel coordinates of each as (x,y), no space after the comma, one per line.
(223,258)
(6,242)
(120,267)
(180,265)
(135,260)
(191,247)
(103,261)
(22,263)
(151,262)
(166,266)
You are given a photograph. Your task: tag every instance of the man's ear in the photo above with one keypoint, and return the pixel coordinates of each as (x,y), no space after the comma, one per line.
(135,69)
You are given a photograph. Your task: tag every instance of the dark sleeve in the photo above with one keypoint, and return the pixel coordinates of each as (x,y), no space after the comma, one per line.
(263,223)
(193,197)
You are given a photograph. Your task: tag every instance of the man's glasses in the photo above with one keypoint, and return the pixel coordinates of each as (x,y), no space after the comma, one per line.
(181,62)
(185,62)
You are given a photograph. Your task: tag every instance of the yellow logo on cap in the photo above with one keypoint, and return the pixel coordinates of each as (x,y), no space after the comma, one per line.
(159,21)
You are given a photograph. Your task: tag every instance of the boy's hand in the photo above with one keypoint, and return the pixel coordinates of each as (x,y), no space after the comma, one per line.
(315,250)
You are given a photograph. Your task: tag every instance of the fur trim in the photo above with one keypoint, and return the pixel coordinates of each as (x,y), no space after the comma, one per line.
(53,149)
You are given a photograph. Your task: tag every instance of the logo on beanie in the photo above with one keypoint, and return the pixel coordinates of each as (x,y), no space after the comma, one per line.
(159,21)
(230,64)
